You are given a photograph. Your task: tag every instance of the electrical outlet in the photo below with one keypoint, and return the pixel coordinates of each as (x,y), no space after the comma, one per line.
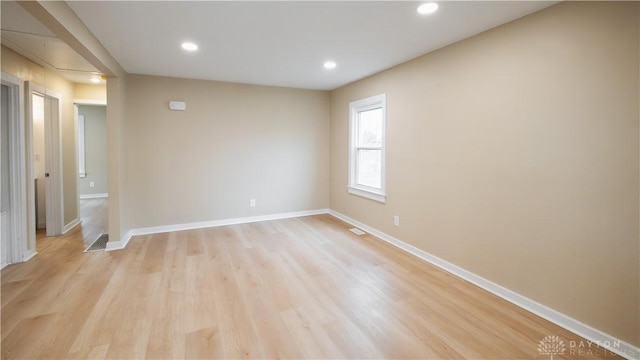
(252,203)
(92,184)
(396,220)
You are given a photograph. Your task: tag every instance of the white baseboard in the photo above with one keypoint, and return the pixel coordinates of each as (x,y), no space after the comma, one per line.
(94,196)
(26,257)
(75,222)
(120,244)
(29,255)
(591,334)
(117,245)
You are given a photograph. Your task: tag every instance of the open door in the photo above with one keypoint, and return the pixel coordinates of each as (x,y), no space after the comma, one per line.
(46,170)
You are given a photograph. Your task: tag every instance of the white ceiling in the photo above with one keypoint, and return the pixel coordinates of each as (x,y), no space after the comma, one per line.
(284,43)
(15,18)
(263,42)
(24,34)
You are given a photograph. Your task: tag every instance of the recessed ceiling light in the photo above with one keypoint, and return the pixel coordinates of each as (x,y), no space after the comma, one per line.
(427,8)
(95,79)
(189,46)
(330,65)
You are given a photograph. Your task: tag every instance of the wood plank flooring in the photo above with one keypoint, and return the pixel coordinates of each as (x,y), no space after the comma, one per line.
(303,288)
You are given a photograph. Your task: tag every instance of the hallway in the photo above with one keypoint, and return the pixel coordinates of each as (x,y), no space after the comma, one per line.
(93,213)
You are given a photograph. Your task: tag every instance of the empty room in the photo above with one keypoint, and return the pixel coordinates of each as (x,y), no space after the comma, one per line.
(320,180)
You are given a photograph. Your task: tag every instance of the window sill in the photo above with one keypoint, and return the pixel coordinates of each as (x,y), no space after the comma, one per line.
(379,197)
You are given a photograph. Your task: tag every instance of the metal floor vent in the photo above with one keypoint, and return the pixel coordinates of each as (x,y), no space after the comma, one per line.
(357,231)
(99,244)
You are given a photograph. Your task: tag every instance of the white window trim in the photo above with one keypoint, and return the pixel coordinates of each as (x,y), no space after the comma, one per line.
(355,107)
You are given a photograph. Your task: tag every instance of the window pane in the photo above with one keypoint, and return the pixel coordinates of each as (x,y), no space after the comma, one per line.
(369,168)
(370,127)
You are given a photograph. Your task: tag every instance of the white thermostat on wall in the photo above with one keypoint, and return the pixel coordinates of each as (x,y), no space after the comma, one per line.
(177,105)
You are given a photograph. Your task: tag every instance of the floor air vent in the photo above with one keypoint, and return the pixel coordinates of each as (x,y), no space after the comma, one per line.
(99,244)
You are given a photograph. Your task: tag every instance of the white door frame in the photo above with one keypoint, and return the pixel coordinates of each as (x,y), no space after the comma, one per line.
(53,162)
(79,156)
(18,246)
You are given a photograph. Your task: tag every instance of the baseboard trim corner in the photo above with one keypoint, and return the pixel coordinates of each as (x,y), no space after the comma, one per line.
(596,336)
(75,222)
(28,255)
(120,244)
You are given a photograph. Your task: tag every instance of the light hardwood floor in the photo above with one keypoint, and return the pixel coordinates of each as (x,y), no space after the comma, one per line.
(303,288)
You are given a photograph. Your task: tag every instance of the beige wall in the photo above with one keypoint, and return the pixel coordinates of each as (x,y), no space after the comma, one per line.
(90,92)
(19,66)
(514,155)
(95,137)
(233,143)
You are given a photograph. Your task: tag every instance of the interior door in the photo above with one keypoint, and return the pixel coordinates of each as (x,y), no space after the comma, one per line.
(53,164)
(48,112)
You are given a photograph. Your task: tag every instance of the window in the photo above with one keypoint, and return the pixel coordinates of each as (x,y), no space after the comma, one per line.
(366,147)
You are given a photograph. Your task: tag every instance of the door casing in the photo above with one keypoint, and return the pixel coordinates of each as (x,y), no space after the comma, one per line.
(18,245)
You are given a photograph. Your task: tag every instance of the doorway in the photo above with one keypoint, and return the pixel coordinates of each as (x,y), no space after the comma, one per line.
(45,145)
(92,169)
